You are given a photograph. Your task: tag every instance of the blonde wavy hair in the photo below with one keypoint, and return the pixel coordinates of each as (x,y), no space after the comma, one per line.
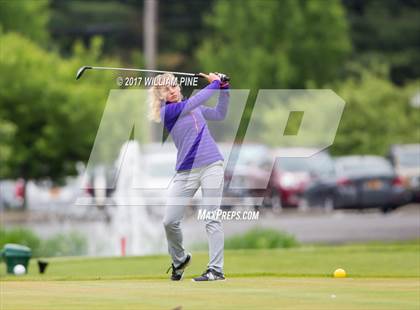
(157,94)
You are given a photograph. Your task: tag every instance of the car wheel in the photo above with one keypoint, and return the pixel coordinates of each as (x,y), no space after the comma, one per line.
(303,205)
(387,209)
(328,204)
(276,203)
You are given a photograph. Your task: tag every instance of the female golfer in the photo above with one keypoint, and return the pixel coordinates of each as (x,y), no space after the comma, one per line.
(199,163)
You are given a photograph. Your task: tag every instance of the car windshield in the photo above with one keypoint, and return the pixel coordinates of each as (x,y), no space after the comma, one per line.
(363,166)
(319,164)
(251,155)
(293,164)
(409,158)
(160,167)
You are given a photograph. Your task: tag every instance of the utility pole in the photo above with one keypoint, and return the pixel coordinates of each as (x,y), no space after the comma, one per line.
(150,25)
(150,48)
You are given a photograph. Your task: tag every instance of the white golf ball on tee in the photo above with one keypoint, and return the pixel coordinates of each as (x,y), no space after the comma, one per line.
(19,270)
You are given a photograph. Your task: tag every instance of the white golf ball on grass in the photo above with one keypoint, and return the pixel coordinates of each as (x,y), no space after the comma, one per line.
(19,270)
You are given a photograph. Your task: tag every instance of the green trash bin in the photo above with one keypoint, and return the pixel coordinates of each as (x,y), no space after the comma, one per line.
(15,254)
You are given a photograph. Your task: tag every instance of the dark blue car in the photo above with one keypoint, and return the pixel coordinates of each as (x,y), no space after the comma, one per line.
(359,182)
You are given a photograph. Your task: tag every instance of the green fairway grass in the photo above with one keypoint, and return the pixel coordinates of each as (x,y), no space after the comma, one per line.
(235,293)
(380,276)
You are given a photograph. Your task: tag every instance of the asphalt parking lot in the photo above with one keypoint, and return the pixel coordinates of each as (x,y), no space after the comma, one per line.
(311,226)
(320,227)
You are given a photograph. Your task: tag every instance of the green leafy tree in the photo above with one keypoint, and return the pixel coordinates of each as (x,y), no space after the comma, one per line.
(387,30)
(28,17)
(117,21)
(120,23)
(377,114)
(7,130)
(52,119)
(276,44)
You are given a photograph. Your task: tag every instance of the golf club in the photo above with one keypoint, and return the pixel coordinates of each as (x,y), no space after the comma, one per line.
(223,77)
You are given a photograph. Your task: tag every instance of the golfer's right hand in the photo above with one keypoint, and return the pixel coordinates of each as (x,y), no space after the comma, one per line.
(210,77)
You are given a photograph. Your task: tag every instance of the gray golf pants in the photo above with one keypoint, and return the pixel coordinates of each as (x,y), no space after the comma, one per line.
(181,190)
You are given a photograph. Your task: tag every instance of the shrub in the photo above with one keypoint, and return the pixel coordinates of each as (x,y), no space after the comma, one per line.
(20,236)
(65,245)
(259,238)
(60,245)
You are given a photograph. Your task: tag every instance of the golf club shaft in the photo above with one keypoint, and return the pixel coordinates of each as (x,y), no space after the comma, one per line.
(80,72)
(144,70)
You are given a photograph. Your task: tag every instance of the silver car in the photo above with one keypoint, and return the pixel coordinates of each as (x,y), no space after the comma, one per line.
(406,161)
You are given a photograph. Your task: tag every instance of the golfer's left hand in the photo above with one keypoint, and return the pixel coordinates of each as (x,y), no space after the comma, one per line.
(224,85)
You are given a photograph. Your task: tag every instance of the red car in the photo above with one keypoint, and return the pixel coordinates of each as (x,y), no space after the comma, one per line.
(293,171)
(247,173)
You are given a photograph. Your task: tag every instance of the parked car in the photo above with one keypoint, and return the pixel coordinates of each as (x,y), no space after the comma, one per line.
(159,169)
(293,173)
(406,161)
(247,173)
(362,182)
(11,194)
(99,185)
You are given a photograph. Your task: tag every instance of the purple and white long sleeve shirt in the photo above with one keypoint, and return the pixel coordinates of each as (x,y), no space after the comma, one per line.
(186,123)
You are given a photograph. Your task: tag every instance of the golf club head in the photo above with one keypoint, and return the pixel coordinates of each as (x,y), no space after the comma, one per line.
(81,71)
(223,77)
